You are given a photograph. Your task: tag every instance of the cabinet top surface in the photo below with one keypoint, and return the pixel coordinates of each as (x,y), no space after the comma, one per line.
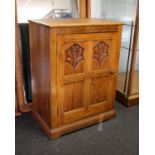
(75,22)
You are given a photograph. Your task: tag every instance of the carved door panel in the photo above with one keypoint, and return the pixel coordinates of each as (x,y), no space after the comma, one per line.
(85,81)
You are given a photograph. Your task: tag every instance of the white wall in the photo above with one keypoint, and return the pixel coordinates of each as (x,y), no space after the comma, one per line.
(124,10)
(35,9)
(96,9)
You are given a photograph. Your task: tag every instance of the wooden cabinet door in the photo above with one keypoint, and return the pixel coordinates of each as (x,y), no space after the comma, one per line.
(86,78)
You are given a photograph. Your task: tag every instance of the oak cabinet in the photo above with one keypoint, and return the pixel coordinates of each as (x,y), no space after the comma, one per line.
(74,65)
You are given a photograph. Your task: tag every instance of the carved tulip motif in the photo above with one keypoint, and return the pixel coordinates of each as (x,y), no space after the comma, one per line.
(100,52)
(74,55)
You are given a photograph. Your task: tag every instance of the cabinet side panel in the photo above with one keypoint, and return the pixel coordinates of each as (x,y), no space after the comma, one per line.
(40,70)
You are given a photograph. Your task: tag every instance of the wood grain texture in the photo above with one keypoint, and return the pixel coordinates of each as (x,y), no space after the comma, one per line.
(53,79)
(127,101)
(101,54)
(40,67)
(71,87)
(74,98)
(74,22)
(74,56)
(87,29)
(57,132)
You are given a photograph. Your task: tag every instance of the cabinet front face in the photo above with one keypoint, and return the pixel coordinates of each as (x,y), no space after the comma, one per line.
(86,75)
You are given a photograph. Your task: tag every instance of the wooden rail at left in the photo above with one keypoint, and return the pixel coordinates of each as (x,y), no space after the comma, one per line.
(20,105)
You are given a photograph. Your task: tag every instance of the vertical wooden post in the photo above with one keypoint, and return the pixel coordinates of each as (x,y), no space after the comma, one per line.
(82,8)
(134,49)
(85,8)
(18,69)
(88,8)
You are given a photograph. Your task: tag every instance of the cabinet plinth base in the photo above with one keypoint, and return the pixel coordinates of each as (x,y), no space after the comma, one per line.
(57,132)
(127,101)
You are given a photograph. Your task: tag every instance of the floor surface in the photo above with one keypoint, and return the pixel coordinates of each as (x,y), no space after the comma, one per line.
(117,136)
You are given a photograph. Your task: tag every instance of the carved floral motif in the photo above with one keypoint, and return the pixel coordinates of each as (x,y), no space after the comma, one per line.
(74,55)
(100,52)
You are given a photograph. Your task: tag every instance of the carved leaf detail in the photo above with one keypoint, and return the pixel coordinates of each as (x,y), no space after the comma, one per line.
(100,52)
(74,55)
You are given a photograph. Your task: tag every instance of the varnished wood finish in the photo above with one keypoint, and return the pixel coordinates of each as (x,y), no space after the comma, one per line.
(20,104)
(83,8)
(56,133)
(73,74)
(76,22)
(18,71)
(88,8)
(134,52)
(40,58)
(127,101)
